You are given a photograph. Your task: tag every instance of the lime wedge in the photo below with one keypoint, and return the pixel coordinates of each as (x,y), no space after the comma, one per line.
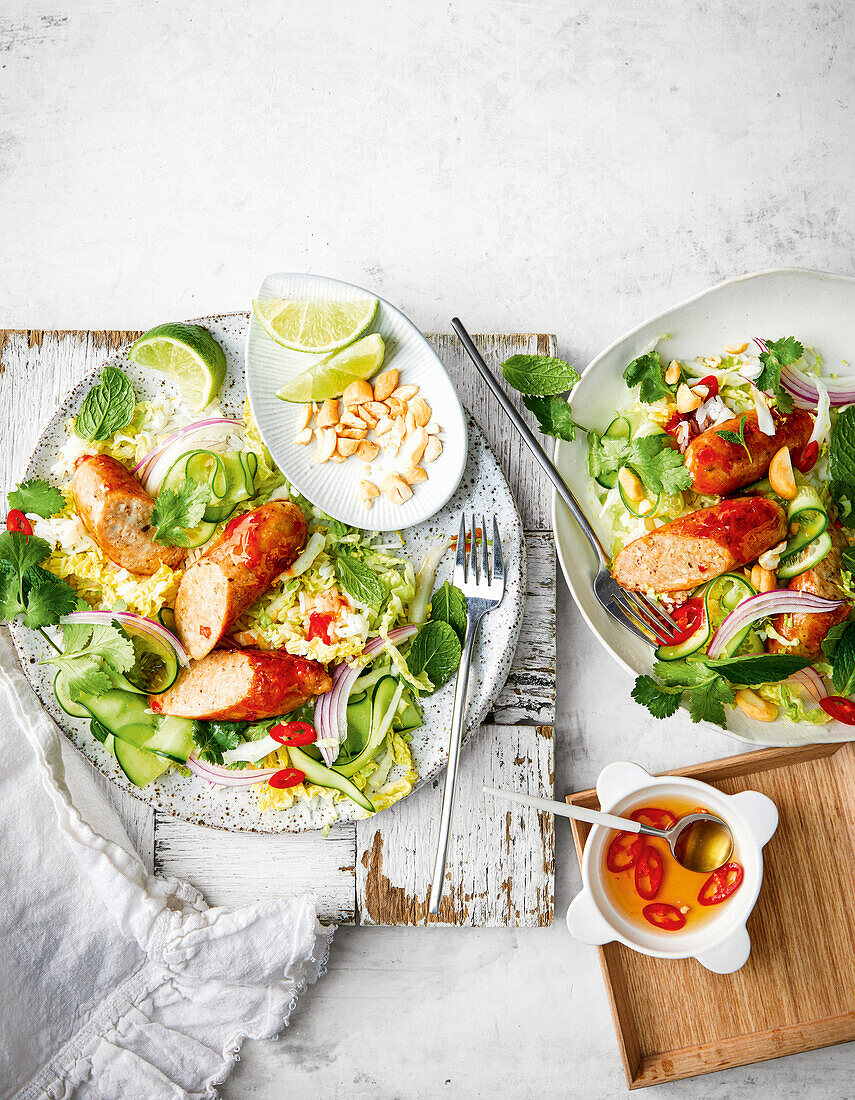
(314,326)
(189,355)
(332,376)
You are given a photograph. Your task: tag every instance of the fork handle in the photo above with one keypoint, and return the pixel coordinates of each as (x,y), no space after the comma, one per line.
(529,439)
(455,741)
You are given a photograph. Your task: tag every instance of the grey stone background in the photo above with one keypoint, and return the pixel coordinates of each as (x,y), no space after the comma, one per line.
(532,165)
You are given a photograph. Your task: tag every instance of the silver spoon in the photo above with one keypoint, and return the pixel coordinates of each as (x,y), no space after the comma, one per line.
(699,842)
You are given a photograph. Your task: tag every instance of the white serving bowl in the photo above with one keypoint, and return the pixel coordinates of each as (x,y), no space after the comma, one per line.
(818,309)
(721,944)
(334,487)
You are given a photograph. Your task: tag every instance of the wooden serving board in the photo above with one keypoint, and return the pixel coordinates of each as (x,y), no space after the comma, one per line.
(501,871)
(675,1019)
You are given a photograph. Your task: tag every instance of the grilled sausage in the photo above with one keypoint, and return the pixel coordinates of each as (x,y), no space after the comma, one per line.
(702,545)
(117,513)
(721,467)
(823,580)
(241,565)
(243,686)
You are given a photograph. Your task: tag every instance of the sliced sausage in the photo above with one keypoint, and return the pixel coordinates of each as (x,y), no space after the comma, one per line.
(824,579)
(243,686)
(702,545)
(721,467)
(116,511)
(241,565)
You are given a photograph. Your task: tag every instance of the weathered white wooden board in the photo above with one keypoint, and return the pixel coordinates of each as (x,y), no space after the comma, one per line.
(378,871)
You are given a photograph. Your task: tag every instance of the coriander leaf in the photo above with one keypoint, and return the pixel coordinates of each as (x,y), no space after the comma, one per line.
(214,738)
(107,408)
(48,598)
(86,677)
(781,353)
(178,510)
(87,650)
(539,374)
(114,646)
(736,437)
(10,592)
(605,456)
(359,581)
(647,371)
(707,701)
(659,466)
(751,670)
(843,670)
(22,551)
(662,702)
(554,416)
(683,673)
(448,605)
(435,651)
(37,497)
(829,642)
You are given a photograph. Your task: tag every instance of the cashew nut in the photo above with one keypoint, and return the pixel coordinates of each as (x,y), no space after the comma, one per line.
(781,475)
(754,706)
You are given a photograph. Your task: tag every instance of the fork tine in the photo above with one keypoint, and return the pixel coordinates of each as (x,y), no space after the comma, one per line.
(498,559)
(641,611)
(632,611)
(475,577)
(659,610)
(460,559)
(614,609)
(485,561)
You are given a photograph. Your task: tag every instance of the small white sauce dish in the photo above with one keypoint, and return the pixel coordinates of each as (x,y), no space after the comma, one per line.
(721,944)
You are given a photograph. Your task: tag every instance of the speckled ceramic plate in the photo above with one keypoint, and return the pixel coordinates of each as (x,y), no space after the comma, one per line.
(334,487)
(482,488)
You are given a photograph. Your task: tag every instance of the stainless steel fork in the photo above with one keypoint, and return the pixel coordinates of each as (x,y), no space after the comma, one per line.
(639,614)
(483,586)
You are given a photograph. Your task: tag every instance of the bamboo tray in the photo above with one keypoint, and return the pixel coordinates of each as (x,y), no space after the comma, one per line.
(675,1019)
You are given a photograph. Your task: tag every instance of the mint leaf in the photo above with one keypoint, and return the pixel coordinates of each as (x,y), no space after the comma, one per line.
(359,581)
(554,416)
(448,605)
(841,465)
(539,374)
(435,651)
(781,353)
(178,510)
(737,438)
(751,670)
(660,701)
(647,372)
(843,669)
(829,642)
(107,408)
(37,497)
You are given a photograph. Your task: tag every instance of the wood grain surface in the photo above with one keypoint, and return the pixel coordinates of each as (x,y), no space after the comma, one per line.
(378,871)
(675,1019)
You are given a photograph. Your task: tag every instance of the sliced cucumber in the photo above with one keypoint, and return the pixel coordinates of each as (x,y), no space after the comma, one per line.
(323,776)
(634,508)
(619,428)
(173,738)
(162,660)
(129,719)
(139,766)
(723,595)
(69,705)
(380,702)
(791,565)
(691,645)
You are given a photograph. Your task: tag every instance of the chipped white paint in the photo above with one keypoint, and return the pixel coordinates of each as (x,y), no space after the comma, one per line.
(36,370)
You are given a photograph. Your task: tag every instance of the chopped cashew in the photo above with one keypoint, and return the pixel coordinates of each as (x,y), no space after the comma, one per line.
(385,384)
(328,416)
(304,437)
(686,400)
(781,476)
(755,706)
(357,393)
(433,449)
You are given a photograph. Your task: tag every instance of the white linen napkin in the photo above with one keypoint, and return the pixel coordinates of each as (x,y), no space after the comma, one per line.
(115,983)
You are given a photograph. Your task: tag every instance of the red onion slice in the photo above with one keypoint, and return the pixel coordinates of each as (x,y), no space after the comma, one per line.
(811,681)
(331,708)
(138,622)
(152,468)
(780,602)
(219,776)
(840,392)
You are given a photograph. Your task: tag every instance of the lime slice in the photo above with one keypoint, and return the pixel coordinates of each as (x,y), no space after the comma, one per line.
(314,326)
(189,355)
(332,376)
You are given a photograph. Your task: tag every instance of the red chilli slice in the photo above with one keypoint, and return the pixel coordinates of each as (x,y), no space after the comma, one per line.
(623,852)
(648,873)
(288,777)
(17,521)
(664,916)
(655,817)
(721,884)
(294,733)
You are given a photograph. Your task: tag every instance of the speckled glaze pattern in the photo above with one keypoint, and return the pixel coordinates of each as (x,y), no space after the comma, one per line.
(269,366)
(483,488)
